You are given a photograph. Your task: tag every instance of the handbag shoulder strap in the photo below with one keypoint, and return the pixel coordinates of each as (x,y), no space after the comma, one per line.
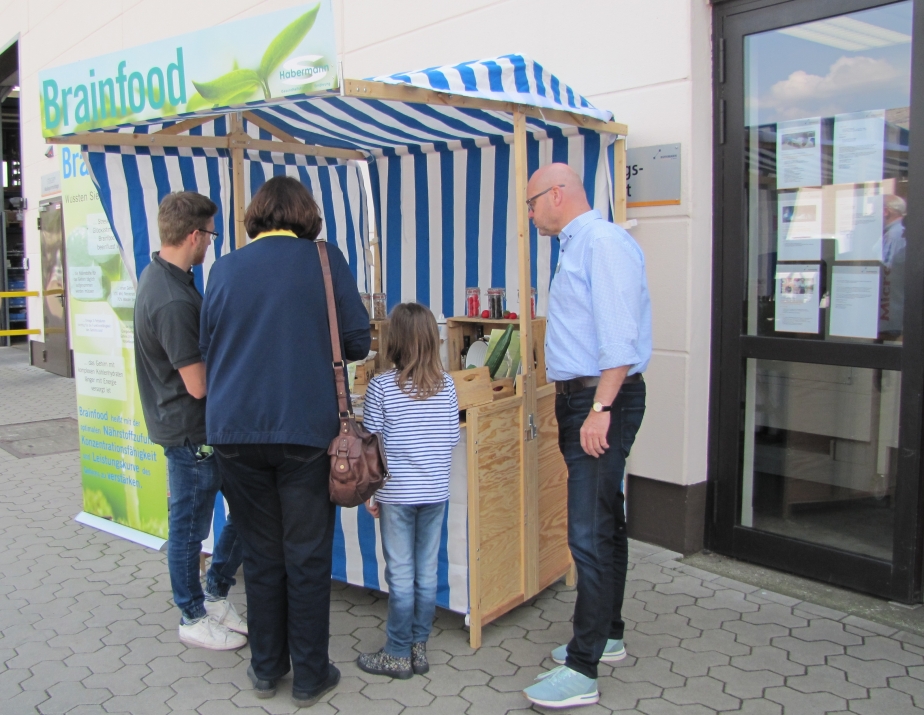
(343,405)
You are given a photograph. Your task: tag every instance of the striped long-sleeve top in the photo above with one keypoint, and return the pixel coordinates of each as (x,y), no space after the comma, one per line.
(419,436)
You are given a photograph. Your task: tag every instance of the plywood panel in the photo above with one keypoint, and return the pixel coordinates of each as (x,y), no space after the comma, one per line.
(495,468)
(554,556)
(473,387)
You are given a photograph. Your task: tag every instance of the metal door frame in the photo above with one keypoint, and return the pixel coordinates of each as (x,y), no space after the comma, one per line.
(899,579)
(68,362)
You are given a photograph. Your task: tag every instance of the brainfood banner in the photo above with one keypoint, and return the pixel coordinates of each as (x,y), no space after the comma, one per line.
(270,56)
(124,475)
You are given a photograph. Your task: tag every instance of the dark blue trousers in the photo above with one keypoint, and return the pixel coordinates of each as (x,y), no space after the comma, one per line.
(596,519)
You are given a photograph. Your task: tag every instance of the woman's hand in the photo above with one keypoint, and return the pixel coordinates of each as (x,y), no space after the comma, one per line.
(372,508)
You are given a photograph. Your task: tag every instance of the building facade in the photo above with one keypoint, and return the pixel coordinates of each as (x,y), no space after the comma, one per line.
(740,412)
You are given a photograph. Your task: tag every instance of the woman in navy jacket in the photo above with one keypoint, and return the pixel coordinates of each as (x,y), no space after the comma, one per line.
(271,415)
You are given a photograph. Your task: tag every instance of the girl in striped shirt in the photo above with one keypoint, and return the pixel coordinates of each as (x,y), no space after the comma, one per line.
(415,409)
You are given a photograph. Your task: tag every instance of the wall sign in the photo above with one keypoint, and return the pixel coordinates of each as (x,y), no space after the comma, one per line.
(51,184)
(283,53)
(653,176)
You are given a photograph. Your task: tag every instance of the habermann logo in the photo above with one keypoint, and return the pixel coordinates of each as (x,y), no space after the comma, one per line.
(305,69)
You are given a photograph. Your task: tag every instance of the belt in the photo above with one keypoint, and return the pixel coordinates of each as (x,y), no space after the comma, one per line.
(566,387)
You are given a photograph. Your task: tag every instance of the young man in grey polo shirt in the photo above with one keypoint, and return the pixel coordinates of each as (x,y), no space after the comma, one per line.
(171,382)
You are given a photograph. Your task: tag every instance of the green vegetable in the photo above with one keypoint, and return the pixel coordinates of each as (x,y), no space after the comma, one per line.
(232,84)
(514,354)
(496,357)
(285,43)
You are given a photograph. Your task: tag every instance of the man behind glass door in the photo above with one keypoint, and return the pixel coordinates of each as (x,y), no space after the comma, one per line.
(598,345)
(892,300)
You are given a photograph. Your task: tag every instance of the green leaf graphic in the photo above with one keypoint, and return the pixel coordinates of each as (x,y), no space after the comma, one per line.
(228,85)
(286,41)
(196,102)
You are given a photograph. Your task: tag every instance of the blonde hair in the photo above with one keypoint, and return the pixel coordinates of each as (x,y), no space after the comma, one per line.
(413,345)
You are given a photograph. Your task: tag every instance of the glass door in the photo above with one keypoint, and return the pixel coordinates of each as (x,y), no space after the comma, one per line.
(814,182)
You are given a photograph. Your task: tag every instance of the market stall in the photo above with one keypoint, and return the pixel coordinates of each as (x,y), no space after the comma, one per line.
(448,152)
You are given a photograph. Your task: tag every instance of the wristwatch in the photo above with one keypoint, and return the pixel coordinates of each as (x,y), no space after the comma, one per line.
(600,407)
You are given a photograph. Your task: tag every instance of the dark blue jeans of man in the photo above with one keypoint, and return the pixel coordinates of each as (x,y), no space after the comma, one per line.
(194,482)
(279,496)
(596,519)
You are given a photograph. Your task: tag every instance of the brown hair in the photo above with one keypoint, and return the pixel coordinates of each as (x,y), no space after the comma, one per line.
(283,203)
(181,213)
(413,345)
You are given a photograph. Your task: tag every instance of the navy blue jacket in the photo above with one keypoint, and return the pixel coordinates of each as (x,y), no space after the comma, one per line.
(266,343)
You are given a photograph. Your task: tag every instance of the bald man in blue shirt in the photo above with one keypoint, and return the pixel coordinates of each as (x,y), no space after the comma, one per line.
(598,344)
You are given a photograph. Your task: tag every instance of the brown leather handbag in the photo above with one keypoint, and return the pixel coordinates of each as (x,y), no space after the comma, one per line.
(357,458)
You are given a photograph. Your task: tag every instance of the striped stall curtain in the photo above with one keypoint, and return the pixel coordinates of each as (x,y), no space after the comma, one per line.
(132,181)
(447,218)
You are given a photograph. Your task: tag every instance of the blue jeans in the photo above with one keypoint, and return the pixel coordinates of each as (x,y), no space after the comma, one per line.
(411,544)
(194,483)
(596,520)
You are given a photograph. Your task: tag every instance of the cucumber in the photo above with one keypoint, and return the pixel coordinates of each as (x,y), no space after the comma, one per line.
(496,356)
(514,353)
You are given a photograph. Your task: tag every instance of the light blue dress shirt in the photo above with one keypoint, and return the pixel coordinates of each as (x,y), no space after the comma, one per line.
(599,307)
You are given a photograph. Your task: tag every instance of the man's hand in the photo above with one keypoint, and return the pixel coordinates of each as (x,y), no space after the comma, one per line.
(593,433)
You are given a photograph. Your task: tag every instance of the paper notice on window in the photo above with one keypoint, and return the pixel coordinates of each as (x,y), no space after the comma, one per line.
(859,142)
(798,153)
(855,302)
(858,224)
(796,301)
(800,233)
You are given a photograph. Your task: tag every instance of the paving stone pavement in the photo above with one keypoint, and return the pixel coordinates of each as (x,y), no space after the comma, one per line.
(87,626)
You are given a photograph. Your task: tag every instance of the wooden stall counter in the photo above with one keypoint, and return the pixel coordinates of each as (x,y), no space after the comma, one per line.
(517,518)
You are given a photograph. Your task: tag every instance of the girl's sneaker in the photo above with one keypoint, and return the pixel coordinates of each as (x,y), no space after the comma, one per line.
(419,661)
(382,663)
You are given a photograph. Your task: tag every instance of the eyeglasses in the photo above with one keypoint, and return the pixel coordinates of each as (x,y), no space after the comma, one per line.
(213,234)
(530,202)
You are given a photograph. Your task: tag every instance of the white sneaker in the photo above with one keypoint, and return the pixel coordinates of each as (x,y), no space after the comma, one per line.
(223,612)
(208,633)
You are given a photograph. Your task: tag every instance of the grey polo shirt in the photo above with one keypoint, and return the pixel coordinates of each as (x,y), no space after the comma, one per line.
(167,307)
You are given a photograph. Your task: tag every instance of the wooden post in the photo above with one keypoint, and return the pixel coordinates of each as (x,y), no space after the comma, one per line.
(619,182)
(530,451)
(237,180)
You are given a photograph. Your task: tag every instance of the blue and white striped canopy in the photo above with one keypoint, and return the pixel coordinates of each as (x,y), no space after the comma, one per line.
(442,183)
(510,78)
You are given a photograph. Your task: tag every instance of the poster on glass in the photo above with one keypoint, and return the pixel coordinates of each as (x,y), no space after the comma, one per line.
(800,229)
(858,222)
(798,153)
(859,142)
(797,303)
(854,302)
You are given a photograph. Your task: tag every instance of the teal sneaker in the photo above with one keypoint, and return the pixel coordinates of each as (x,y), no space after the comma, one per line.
(615,650)
(563,688)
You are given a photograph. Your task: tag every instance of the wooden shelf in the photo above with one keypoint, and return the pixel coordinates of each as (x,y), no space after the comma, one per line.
(498,321)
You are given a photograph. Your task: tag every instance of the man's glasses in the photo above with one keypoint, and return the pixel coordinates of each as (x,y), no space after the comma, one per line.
(213,234)
(530,202)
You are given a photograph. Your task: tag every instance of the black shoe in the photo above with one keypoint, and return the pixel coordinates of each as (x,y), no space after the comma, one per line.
(381,663)
(306,700)
(264,688)
(419,661)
